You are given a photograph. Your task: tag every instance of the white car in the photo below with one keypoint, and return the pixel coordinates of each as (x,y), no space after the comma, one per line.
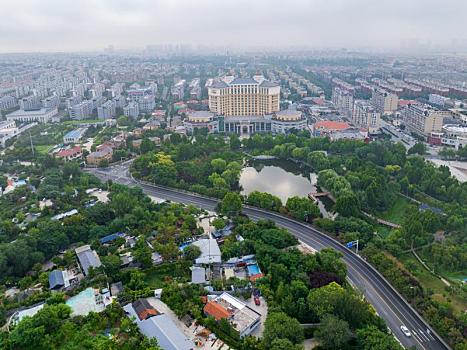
(406,331)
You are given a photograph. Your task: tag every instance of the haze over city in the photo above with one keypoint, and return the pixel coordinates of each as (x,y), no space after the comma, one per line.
(90,25)
(220,175)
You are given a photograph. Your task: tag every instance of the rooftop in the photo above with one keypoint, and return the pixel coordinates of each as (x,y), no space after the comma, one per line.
(87,258)
(331,125)
(74,133)
(32,112)
(210,252)
(216,310)
(69,152)
(56,279)
(161,327)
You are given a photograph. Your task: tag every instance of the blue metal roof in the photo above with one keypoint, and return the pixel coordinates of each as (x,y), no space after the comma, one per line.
(435,210)
(56,279)
(111,237)
(73,134)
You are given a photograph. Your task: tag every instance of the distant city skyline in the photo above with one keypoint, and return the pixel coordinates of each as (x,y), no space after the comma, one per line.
(92,25)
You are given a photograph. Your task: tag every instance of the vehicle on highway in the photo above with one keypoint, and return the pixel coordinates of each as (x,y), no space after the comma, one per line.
(406,331)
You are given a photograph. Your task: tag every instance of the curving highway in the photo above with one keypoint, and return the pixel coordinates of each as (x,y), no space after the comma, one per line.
(389,304)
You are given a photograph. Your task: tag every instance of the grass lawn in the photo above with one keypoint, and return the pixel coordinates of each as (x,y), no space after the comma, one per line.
(457,276)
(396,213)
(155,276)
(429,281)
(44,149)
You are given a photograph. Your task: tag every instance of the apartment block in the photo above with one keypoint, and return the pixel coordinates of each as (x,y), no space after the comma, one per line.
(384,101)
(342,100)
(422,119)
(365,116)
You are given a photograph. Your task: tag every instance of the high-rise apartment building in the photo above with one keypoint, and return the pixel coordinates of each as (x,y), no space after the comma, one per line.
(106,110)
(30,103)
(422,119)
(384,101)
(51,101)
(342,100)
(365,115)
(244,96)
(131,110)
(7,102)
(82,110)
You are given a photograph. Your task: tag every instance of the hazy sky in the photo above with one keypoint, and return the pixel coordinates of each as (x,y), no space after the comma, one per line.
(75,25)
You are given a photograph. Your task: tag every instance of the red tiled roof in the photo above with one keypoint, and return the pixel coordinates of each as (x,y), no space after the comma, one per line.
(215,310)
(69,152)
(145,314)
(253,278)
(403,103)
(331,125)
(318,101)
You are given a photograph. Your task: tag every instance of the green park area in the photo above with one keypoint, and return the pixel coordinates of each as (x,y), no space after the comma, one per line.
(76,122)
(44,149)
(441,292)
(396,212)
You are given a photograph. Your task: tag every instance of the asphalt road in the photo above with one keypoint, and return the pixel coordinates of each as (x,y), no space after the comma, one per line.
(387,302)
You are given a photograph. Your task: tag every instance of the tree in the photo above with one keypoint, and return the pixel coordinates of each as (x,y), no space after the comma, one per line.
(123,121)
(103,163)
(143,253)
(285,344)
(322,301)
(302,208)
(418,148)
(447,153)
(146,145)
(191,252)
(333,332)
(264,200)
(347,204)
(231,204)
(371,338)
(235,143)
(218,223)
(279,325)
(218,165)
(111,265)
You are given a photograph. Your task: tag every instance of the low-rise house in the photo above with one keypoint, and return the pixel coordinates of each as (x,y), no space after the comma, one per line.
(87,258)
(198,275)
(64,215)
(74,136)
(58,279)
(152,125)
(242,318)
(70,153)
(112,237)
(210,251)
(116,288)
(154,324)
(104,153)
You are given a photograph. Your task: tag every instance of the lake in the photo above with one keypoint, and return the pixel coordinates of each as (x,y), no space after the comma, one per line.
(283,179)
